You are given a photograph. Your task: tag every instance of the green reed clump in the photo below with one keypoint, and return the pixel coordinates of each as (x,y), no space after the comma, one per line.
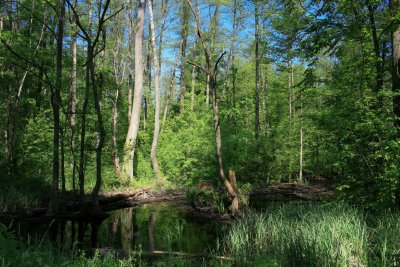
(301,235)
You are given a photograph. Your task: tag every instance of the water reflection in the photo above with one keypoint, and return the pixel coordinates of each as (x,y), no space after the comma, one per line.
(153,227)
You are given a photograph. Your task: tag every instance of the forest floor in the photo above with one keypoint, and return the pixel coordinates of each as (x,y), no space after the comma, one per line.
(315,190)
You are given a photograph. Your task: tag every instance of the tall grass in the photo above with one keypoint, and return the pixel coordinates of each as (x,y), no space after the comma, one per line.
(300,235)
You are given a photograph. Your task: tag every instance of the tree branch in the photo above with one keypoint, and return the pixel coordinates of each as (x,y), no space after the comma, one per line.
(197,65)
(216,63)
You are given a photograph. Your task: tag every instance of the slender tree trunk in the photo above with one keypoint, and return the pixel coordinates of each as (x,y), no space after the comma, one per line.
(130,142)
(218,142)
(301,140)
(114,121)
(100,128)
(55,102)
(257,94)
(130,64)
(194,74)
(233,51)
(291,115)
(82,160)
(266,91)
(62,159)
(156,93)
(208,90)
(184,33)
(73,97)
(171,85)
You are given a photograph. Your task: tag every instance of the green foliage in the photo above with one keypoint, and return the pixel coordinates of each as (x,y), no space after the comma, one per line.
(186,152)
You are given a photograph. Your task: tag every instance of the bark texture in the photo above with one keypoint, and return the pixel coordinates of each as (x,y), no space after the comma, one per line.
(130,142)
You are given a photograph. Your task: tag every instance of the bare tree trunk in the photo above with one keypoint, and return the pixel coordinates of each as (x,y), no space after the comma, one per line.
(233,53)
(73,98)
(171,85)
(82,160)
(208,90)
(119,75)
(301,139)
(131,136)
(130,63)
(257,94)
(156,93)
(184,33)
(266,91)
(114,120)
(55,103)
(100,128)
(194,74)
(290,118)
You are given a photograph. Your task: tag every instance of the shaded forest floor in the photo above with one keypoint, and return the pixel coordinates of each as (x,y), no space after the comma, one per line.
(315,190)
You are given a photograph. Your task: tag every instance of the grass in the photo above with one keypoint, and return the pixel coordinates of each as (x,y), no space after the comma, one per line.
(314,235)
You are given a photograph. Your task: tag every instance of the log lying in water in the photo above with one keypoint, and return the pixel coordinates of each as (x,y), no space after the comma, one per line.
(144,197)
(292,191)
(124,254)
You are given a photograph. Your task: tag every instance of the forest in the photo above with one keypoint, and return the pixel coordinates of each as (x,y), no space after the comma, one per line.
(200,133)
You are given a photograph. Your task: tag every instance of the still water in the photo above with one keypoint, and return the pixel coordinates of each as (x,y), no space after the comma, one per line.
(152,227)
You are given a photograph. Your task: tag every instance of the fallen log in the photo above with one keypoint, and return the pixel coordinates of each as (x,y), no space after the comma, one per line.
(124,254)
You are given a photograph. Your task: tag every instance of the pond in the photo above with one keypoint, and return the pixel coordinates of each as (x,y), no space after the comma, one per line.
(154,231)
(157,226)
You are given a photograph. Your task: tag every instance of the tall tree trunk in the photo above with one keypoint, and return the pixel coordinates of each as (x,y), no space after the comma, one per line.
(290,85)
(233,52)
(100,128)
(131,136)
(156,93)
(194,74)
(55,103)
(301,140)
(171,85)
(73,98)
(257,94)
(82,156)
(114,121)
(130,64)
(184,33)
(266,101)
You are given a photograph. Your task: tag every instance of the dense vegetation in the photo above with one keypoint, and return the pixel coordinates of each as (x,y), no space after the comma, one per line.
(107,94)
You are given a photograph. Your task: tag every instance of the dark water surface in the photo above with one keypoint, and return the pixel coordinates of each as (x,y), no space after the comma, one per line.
(151,227)
(157,226)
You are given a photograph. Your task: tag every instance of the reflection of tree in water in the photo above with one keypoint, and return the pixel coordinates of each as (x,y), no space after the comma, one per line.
(152,223)
(126,219)
(156,227)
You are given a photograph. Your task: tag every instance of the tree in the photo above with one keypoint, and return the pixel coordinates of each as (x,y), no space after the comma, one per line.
(156,93)
(55,103)
(130,143)
(92,43)
(211,70)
